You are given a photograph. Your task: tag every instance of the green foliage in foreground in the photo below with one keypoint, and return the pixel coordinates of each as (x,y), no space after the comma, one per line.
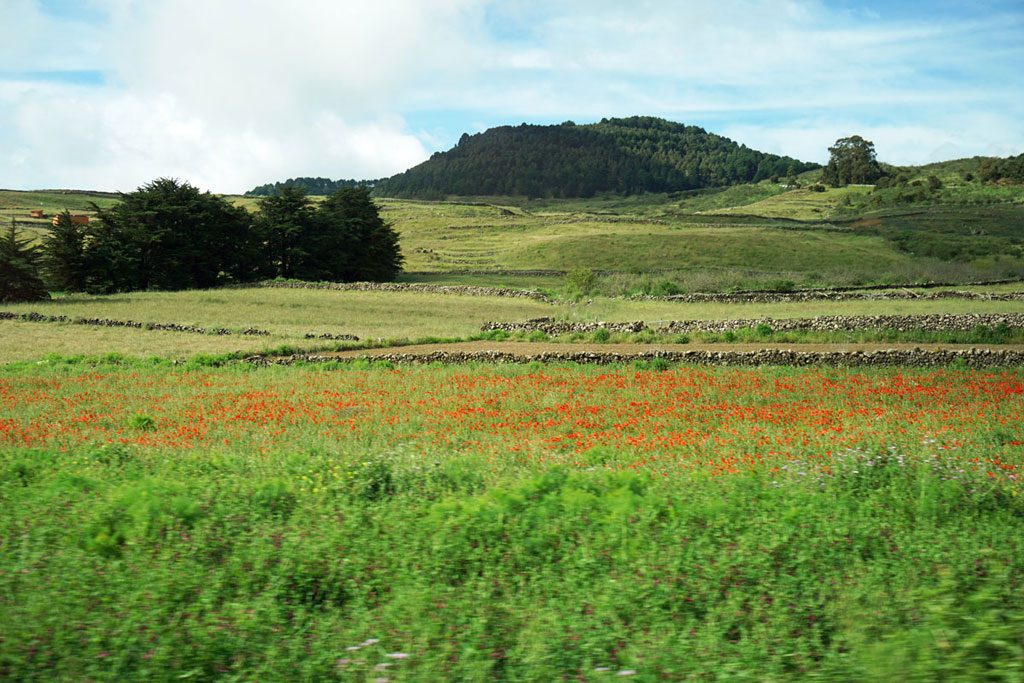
(124,564)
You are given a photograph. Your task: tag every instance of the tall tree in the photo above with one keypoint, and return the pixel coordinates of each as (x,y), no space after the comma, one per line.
(64,255)
(285,225)
(852,161)
(366,246)
(169,235)
(343,238)
(19,270)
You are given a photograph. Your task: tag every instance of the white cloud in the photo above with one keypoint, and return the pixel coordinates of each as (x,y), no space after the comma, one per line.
(75,137)
(233,93)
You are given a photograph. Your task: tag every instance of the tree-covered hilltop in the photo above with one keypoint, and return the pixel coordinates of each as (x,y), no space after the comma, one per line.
(624,156)
(311,186)
(1010,169)
(710,159)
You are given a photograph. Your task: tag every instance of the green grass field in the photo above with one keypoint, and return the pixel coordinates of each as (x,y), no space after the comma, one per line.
(15,205)
(801,204)
(743,236)
(289,314)
(163,517)
(509,523)
(783,237)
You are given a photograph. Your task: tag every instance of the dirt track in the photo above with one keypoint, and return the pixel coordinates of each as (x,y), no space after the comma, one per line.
(530,349)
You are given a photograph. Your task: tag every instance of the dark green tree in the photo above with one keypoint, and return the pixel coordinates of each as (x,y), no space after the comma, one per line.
(64,255)
(1010,169)
(285,226)
(366,246)
(19,270)
(169,235)
(852,161)
(343,238)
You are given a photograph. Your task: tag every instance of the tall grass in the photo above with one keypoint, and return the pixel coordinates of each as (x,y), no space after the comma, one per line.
(357,558)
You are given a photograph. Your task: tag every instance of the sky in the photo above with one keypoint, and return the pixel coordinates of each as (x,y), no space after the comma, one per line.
(230,94)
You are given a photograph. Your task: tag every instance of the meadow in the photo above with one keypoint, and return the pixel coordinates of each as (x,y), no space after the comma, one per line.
(169,512)
(746,236)
(360,522)
(288,315)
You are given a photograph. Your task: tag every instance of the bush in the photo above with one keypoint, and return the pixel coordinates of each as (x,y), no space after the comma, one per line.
(373,480)
(273,499)
(144,423)
(665,288)
(144,510)
(580,281)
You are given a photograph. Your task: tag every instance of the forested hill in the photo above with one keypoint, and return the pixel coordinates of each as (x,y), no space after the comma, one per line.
(625,156)
(317,186)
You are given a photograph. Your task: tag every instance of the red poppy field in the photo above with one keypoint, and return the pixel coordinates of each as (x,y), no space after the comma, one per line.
(510,522)
(719,421)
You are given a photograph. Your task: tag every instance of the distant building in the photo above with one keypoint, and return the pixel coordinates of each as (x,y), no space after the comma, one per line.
(75,220)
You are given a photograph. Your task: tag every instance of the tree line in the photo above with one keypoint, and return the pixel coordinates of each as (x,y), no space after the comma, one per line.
(313,186)
(622,156)
(1010,169)
(168,235)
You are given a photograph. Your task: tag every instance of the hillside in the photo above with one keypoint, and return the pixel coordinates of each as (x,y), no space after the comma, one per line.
(622,156)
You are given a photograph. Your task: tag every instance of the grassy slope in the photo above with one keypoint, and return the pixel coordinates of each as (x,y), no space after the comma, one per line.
(707,240)
(801,205)
(453,238)
(739,229)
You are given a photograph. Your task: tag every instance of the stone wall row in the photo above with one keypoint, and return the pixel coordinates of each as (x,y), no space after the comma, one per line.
(973,358)
(799,296)
(33,317)
(829,323)
(462,290)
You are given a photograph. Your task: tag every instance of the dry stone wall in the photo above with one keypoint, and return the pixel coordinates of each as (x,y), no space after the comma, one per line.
(932,322)
(34,317)
(939,322)
(973,358)
(830,295)
(461,290)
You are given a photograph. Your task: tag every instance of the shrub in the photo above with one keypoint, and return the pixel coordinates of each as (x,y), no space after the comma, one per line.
(143,423)
(373,479)
(143,510)
(273,499)
(665,288)
(580,281)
